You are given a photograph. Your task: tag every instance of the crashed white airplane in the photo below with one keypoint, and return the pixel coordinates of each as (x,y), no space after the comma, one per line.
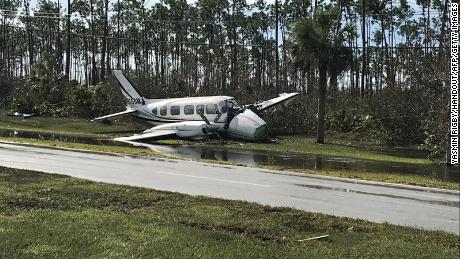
(194,117)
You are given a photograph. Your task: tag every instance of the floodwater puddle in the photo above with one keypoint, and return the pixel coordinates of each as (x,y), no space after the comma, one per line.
(279,160)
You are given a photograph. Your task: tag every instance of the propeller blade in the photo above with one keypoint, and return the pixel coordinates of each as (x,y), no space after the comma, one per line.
(219,136)
(219,114)
(212,128)
(204,118)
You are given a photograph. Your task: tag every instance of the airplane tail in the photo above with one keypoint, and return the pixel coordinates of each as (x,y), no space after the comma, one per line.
(128,90)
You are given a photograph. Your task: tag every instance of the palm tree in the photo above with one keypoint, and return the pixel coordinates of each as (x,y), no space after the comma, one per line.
(318,42)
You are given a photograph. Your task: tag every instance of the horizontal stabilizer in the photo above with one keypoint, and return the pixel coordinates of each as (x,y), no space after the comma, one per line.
(115,115)
(157,134)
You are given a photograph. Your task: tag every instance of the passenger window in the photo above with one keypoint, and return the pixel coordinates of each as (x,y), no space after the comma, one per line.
(189,109)
(174,110)
(155,111)
(200,109)
(163,110)
(211,108)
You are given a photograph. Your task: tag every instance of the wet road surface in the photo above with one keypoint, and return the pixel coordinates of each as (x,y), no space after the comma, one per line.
(398,204)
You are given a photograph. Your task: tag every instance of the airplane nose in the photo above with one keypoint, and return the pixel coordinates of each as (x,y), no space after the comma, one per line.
(248,125)
(261,132)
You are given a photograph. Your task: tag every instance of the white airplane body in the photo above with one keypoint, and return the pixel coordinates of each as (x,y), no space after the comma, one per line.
(194,117)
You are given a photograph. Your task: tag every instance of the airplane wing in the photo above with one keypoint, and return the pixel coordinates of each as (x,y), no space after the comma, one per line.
(157,134)
(261,106)
(115,115)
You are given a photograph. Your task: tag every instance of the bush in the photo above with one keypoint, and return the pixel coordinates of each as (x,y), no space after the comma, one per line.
(106,98)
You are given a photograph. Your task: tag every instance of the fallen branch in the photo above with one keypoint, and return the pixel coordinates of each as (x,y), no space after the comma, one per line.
(313,238)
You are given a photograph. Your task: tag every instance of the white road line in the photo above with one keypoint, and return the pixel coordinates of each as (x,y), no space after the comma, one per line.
(215,179)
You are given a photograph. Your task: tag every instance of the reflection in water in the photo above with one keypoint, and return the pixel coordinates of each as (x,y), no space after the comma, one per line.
(257,158)
(318,163)
(306,161)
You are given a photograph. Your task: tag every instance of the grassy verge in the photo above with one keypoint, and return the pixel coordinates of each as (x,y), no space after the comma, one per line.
(69,125)
(56,216)
(417,180)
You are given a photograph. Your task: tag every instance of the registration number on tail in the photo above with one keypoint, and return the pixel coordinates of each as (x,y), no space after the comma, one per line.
(136,101)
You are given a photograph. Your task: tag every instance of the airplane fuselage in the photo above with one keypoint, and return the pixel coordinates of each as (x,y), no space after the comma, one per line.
(217,109)
(162,111)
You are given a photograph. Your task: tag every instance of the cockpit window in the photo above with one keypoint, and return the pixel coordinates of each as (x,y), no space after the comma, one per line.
(163,110)
(232,104)
(211,108)
(155,111)
(223,106)
(200,109)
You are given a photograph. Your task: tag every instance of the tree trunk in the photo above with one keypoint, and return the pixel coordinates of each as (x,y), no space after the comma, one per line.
(428,25)
(443,25)
(118,35)
(104,39)
(333,85)
(276,47)
(67,58)
(58,41)
(87,82)
(29,37)
(321,102)
(363,36)
(94,79)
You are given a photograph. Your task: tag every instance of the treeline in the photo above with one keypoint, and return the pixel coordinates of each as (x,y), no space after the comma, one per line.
(392,84)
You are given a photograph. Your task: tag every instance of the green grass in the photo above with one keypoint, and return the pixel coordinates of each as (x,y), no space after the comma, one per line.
(44,215)
(69,125)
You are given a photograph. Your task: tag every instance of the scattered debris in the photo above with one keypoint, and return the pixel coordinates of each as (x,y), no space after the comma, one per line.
(21,114)
(313,238)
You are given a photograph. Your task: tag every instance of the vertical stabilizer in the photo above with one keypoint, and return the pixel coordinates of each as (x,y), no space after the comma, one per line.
(128,90)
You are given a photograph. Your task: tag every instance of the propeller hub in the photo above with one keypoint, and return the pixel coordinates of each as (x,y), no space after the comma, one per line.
(212,128)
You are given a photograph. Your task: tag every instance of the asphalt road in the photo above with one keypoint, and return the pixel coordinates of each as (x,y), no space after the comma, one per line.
(398,204)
